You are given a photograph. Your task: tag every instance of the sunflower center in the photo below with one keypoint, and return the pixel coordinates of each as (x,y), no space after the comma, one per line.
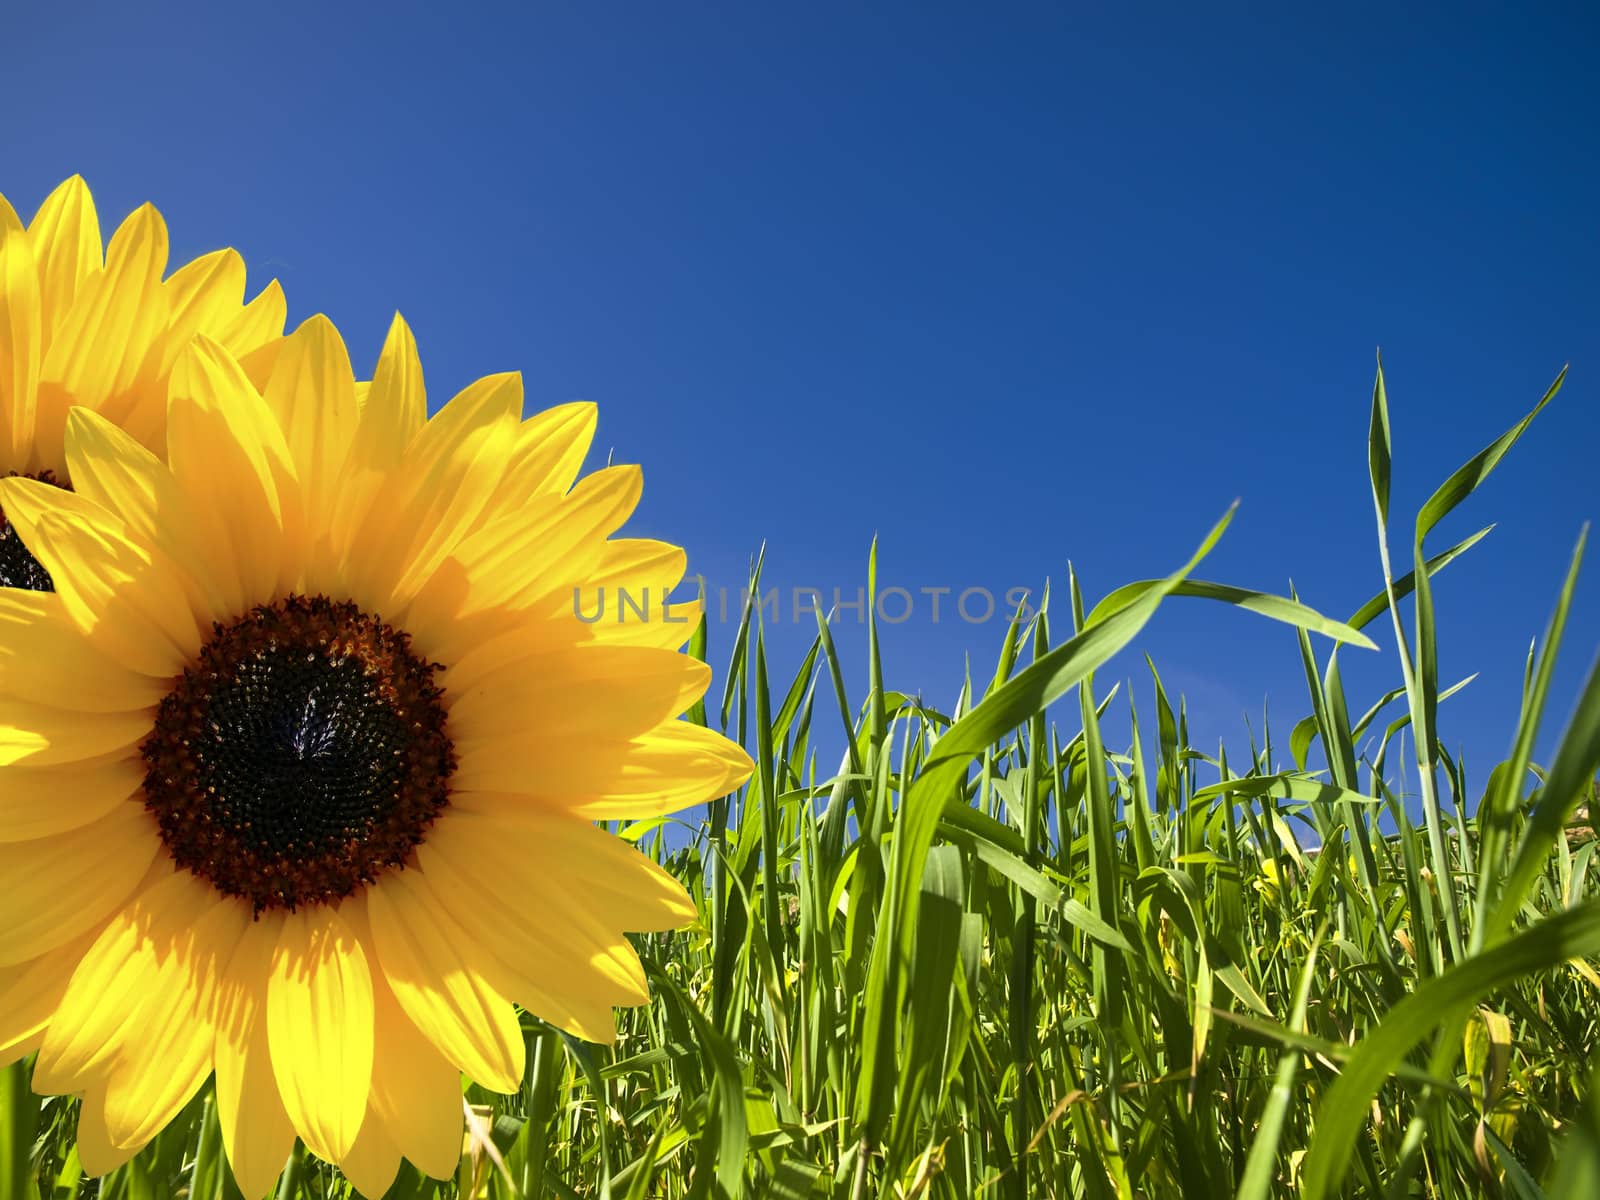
(300,756)
(18,567)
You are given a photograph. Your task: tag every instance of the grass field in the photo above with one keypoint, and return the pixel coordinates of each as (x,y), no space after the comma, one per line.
(988,955)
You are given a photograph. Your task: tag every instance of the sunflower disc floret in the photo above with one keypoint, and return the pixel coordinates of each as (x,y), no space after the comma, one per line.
(302,755)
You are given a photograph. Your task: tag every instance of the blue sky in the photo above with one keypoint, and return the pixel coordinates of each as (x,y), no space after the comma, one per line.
(1006,288)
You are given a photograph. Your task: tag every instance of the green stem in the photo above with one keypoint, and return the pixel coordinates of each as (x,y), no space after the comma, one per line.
(289,1186)
(19,1120)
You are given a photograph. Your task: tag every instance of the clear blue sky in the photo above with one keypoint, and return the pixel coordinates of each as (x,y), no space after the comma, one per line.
(1007,288)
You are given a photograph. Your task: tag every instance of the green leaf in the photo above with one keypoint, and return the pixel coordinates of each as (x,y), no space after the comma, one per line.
(1571,934)
(1277,608)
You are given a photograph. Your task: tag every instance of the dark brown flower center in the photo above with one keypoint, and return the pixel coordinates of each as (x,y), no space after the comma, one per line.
(18,567)
(303,754)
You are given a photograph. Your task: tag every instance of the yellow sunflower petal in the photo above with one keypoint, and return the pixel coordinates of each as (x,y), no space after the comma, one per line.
(622,887)
(112,469)
(668,629)
(609,692)
(320,1028)
(311,391)
(543,925)
(170,1052)
(550,449)
(100,345)
(122,593)
(62,886)
(557,990)
(437,494)
(522,558)
(120,474)
(21,346)
(543,548)
(255,330)
(548,975)
(240,498)
(66,236)
(96,1151)
(204,293)
(106,988)
(397,402)
(393,410)
(625,598)
(658,772)
(45,660)
(36,736)
(29,994)
(137,1014)
(373,1161)
(427,961)
(477,644)
(635,564)
(40,802)
(416,1093)
(256,1132)
(486,654)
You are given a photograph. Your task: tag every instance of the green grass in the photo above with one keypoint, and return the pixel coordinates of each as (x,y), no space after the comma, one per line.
(988,955)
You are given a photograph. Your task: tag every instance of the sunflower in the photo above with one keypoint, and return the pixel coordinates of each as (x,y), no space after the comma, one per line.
(300,762)
(99,327)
